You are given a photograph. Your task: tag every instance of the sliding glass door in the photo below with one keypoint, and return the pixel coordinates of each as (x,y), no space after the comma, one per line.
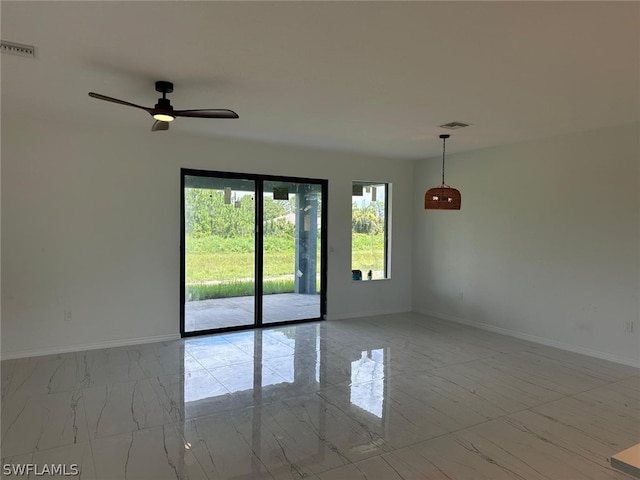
(292,254)
(219,252)
(253,250)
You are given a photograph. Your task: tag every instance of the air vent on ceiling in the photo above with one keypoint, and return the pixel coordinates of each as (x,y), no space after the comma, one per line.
(454,125)
(18,49)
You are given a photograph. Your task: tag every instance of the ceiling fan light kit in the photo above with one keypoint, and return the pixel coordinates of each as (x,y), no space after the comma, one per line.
(164,117)
(163,107)
(163,111)
(442,197)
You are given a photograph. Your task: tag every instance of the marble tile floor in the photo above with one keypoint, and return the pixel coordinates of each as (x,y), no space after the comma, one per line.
(392,397)
(239,311)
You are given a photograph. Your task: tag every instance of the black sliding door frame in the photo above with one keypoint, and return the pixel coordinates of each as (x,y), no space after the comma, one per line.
(258,180)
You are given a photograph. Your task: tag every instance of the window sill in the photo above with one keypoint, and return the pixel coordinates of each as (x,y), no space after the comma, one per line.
(372,280)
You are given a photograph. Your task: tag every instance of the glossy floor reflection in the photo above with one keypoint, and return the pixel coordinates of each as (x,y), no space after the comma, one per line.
(392,397)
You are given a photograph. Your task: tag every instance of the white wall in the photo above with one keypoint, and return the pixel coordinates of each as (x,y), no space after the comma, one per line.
(546,245)
(91,222)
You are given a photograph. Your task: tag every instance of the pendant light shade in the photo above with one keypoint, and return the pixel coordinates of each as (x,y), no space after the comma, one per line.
(442,197)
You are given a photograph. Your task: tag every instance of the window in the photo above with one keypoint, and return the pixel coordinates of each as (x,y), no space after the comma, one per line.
(370,230)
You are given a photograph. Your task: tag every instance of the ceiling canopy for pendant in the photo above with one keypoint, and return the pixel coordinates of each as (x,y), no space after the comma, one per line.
(442,197)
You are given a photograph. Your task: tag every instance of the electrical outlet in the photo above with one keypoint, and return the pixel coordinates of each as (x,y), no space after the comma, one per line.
(628,326)
(460,297)
(67,315)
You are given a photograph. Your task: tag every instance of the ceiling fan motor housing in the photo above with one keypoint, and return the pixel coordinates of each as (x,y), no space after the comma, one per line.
(164,104)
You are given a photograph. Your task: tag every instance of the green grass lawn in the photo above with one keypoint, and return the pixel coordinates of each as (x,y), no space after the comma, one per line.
(367,252)
(229,259)
(237,289)
(224,267)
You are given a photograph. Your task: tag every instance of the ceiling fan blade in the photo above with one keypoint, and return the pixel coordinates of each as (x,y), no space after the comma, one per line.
(206,113)
(121,102)
(159,125)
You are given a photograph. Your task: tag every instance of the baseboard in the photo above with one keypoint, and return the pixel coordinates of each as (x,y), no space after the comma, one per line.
(37,352)
(375,313)
(534,338)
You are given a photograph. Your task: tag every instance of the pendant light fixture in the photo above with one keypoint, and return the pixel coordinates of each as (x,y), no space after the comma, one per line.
(442,197)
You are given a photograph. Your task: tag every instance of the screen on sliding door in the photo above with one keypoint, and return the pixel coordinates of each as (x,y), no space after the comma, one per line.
(219,252)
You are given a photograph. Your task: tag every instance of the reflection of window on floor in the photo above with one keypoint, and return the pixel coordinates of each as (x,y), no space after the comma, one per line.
(318,359)
(368,369)
(200,385)
(286,356)
(276,358)
(284,366)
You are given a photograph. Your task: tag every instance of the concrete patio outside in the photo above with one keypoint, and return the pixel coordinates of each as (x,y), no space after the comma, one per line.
(239,311)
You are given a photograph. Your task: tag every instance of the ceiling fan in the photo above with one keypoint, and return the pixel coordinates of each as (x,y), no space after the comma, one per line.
(164,113)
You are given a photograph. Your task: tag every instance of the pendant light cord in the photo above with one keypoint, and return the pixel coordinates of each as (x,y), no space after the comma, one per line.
(443,147)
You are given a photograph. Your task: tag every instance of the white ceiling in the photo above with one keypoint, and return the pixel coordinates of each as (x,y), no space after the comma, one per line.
(373,77)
